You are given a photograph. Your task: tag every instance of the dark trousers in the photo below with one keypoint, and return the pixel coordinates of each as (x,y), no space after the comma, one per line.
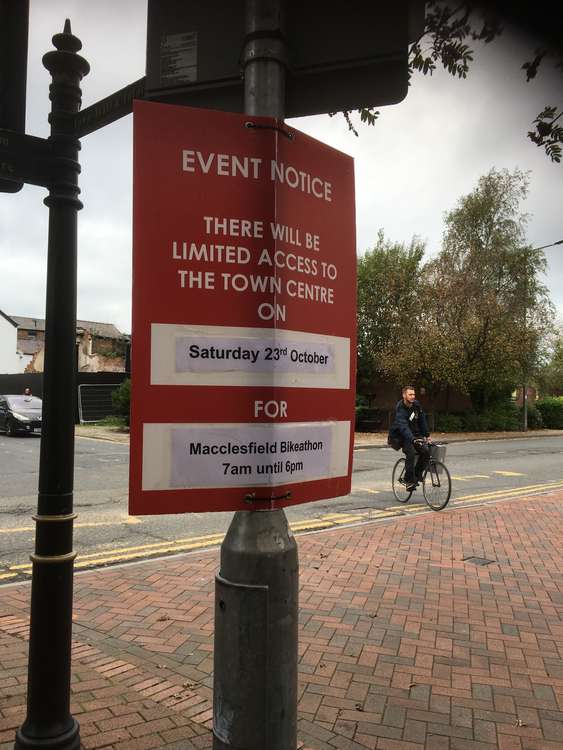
(412,451)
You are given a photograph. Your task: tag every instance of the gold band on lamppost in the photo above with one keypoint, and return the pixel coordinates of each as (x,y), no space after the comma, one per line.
(57,519)
(52,559)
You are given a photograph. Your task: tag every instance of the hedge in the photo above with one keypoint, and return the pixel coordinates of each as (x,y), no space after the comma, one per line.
(503,416)
(551,410)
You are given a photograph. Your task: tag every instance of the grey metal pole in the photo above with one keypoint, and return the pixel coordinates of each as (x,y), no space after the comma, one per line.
(255,676)
(524,407)
(256,593)
(524,427)
(265,58)
(49,723)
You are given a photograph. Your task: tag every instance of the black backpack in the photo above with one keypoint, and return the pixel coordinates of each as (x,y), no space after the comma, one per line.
(395,442)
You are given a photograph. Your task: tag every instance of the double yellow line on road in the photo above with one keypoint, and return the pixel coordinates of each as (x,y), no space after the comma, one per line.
(514,492)
(330,520)
(142,551)
(86,525)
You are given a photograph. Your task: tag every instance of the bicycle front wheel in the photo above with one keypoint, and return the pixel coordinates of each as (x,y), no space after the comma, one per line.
(401,493)
(437,485)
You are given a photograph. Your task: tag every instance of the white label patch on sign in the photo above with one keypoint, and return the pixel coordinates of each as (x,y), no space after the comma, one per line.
(178,58)
(190,456)
(228,355)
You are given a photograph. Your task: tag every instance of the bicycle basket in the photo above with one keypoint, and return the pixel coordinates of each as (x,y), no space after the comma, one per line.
(438,452)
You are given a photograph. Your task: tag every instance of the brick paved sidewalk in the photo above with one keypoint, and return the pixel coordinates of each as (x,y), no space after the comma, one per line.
(404,645)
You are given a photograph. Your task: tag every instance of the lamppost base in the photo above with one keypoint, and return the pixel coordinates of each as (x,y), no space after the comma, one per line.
(70,740)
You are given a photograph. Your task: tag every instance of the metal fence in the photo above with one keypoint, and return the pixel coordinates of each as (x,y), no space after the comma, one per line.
(98,403)
(95,401)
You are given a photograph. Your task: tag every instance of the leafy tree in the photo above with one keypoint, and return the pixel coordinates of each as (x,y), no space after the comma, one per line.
(550,378)
(488,313)
(388,301)
(449,32)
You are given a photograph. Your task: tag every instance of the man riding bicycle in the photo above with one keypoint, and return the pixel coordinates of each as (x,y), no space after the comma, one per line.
(409,431)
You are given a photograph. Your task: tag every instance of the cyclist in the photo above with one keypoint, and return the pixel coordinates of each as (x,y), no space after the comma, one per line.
(409,431)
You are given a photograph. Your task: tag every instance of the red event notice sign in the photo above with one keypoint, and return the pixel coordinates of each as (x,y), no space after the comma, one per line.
(244,317)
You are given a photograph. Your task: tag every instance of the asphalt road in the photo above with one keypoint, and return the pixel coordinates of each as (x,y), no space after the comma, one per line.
(482,471)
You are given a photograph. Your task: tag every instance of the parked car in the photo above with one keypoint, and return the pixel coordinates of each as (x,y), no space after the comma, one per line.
(20,414)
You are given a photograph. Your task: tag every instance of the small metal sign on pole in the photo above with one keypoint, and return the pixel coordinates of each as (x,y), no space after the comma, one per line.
(108,110)
(14,21)
(25,159)
(335,57)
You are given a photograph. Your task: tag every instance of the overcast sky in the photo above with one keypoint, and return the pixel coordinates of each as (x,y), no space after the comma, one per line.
(411,168)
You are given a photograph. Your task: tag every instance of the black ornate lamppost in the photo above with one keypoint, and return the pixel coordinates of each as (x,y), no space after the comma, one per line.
(49,723)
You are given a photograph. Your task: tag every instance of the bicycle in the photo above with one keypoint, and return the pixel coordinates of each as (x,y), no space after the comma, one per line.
(436,481)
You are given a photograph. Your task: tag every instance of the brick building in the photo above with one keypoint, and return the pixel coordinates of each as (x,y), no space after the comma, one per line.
(100,347)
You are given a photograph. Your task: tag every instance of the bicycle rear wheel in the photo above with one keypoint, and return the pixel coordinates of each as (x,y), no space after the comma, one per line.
(437,486)
(401,493)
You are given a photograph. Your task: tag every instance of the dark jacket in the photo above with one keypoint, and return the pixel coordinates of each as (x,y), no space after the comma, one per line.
(409,423)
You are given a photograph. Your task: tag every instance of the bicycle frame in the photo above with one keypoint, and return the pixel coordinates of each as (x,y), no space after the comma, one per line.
(436,488)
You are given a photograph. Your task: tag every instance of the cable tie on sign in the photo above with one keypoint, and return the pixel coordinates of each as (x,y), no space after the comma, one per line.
(251,498)
(261,126)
